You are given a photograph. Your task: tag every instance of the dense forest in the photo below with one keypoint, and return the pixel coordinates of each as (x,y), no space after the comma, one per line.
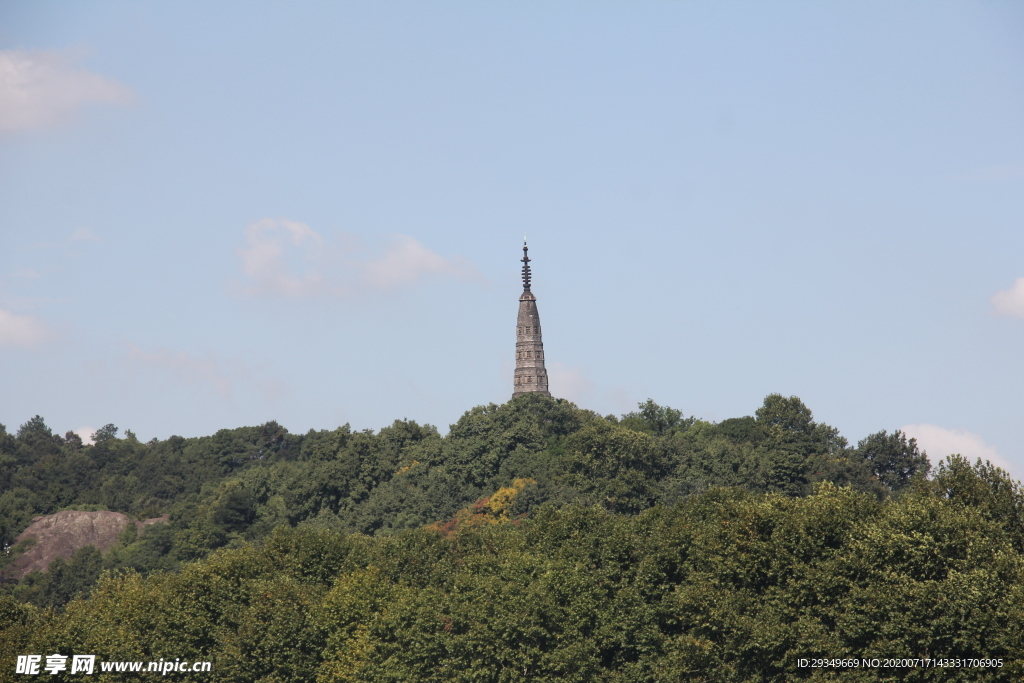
(535,541)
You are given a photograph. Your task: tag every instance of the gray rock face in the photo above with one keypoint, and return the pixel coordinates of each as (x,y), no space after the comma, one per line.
(64,533)
(530,375)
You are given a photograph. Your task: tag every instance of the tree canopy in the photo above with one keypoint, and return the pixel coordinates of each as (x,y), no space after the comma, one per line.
(534,541)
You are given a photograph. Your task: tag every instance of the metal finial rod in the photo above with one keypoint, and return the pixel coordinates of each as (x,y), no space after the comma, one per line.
(526,267)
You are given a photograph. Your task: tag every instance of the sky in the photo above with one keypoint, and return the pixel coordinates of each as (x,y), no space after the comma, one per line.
(218,214)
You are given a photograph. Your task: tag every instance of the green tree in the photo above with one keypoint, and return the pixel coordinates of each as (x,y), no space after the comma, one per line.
(893,458)
(984,488)
(795,447)
(655,419)
(105,433)
(63,581)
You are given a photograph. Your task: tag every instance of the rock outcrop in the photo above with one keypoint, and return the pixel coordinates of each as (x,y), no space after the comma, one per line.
(64,533)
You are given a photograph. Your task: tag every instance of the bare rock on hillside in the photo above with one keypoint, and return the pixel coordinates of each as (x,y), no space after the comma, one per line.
(64,533)
(152,520)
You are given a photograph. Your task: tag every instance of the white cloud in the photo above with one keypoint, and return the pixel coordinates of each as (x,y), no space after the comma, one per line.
(41,88)
(1010,301)
(22,330)
(405,261)
(570,383)
(290,259)
(221,375)
(85,434)
(940,442)
(268,259)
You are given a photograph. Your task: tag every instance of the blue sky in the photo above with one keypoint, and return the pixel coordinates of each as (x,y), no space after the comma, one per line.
(218,214)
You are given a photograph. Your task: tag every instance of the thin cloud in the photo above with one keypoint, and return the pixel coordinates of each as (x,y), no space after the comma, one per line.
(570,383)
(620,398)
(25,331)
(940,442)
(405,261)
(39,89)
(221,375)
(573,384)
(26,273)
(1010,301)
(83,235)
(289,259)
(269,258)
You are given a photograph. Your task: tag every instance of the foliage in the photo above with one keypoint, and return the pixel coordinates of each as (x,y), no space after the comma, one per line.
(984,488)
(655,419)
(63,581)
(727,585)
(534,541)
(893,459)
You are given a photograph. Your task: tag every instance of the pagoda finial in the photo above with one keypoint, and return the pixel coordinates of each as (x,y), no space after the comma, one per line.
(526,267)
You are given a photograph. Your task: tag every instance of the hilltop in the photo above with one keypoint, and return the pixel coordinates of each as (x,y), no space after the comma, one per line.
(237,485)
(535,541)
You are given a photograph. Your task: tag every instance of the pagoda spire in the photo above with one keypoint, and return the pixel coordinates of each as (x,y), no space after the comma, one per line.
(530,377)
(526,266)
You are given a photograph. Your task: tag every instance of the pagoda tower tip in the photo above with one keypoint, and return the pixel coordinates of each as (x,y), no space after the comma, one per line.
(526,266)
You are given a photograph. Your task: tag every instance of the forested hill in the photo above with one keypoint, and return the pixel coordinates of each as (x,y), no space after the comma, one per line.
(536,541)
(241,483)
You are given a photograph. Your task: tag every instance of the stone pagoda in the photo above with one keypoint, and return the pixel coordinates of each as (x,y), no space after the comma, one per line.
(531,377)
